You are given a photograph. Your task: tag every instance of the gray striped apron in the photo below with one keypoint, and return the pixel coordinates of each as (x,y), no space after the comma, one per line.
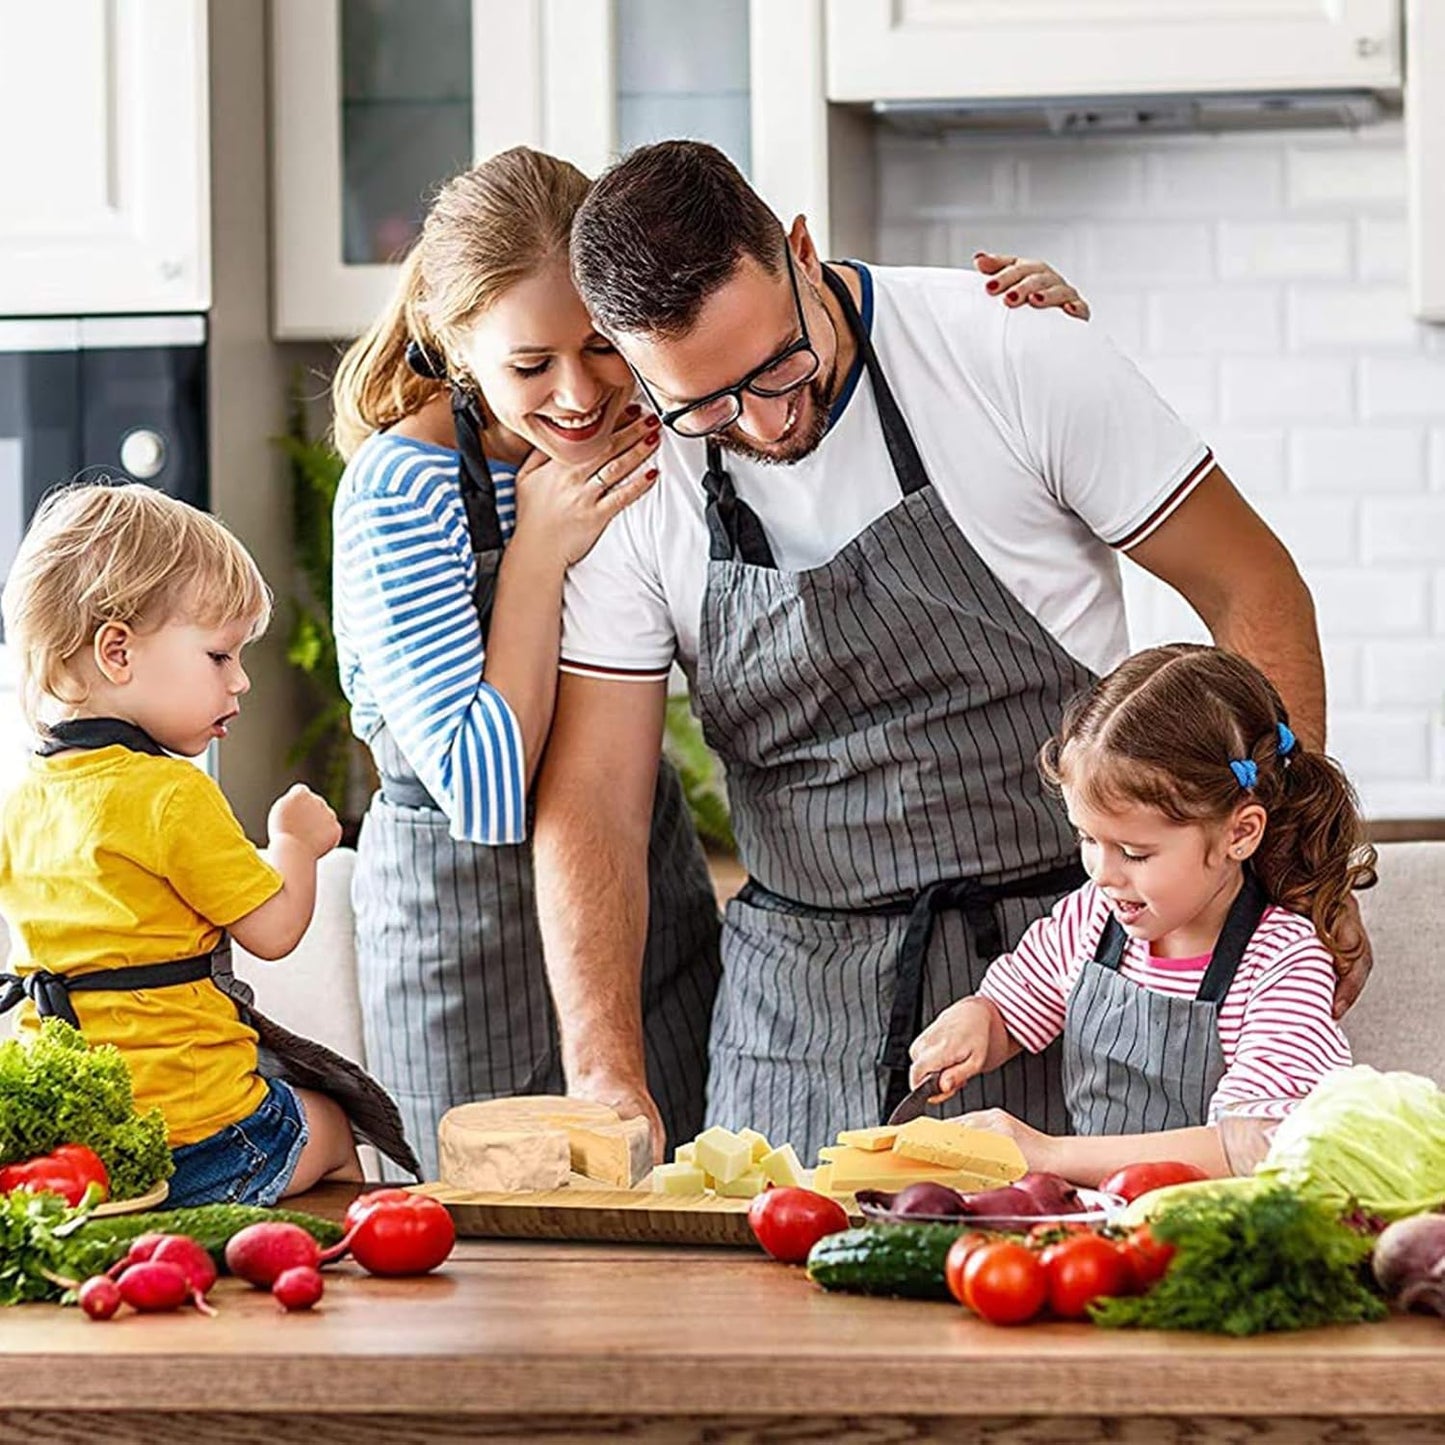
(1137,1061)
(879,717)
(454,997)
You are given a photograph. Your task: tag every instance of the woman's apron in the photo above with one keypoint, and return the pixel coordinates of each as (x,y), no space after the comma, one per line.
(880,717)
(1137,1061)
(282,1054)
(454,996)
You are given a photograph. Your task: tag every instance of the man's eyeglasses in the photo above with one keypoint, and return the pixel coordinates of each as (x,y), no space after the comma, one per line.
(794,365)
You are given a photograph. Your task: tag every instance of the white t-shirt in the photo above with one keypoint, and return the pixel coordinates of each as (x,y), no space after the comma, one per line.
(1046,445)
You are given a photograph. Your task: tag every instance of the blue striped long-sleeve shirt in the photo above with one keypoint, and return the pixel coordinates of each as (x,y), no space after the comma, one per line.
(408,641)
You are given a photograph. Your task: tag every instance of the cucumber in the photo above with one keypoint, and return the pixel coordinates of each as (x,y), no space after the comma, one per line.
(904,1260)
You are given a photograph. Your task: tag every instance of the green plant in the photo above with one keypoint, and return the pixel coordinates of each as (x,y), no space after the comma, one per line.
(701,776)
(326,740)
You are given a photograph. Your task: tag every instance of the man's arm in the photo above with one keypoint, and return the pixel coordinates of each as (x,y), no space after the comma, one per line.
(594,816)
(1217,552)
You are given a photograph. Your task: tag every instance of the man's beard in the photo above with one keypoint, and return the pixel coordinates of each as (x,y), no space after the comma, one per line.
(798,444)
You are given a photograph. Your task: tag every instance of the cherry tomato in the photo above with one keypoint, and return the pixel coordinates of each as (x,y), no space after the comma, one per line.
(395,1232)
(789,1222)
(958,1253)
(87,1163)
(1004,1283)
(1148,1257)
(1082,1270)
(1136,1179)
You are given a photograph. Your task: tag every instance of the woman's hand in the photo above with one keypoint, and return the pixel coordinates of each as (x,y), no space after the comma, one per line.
(1034,282)
(564,506)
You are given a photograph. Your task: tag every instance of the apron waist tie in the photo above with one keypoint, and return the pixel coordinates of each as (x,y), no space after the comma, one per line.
(50,992)
(408,793)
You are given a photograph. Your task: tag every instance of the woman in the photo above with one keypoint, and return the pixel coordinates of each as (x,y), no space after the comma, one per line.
(491,433)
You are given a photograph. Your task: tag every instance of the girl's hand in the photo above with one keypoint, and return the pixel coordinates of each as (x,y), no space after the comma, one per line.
(1034,282)
(954,1045)
(1041,1151)
(564,506)
(304,816)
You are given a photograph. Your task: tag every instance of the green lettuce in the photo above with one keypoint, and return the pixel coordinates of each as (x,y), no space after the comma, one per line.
(1365,1138)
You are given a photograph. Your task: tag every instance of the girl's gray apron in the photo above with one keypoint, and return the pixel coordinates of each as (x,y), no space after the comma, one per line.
(879,717)
(454,996)
(282,1054)
(1138,1061)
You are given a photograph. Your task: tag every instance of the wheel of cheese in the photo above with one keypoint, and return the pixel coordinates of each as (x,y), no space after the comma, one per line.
(535,1141)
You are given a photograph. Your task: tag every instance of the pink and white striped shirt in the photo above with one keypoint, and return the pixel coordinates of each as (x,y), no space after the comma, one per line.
(1275,1025)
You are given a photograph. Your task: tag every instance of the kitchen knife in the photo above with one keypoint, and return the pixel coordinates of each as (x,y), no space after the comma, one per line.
(915,1103)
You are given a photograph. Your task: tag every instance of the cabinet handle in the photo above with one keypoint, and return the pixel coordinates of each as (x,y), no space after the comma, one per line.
(1368,46)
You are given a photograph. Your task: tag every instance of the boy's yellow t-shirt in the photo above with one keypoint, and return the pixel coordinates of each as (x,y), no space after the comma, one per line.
(110,858)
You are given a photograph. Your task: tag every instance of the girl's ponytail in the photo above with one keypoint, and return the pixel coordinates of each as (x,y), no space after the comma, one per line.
(1313,854)
(375,386)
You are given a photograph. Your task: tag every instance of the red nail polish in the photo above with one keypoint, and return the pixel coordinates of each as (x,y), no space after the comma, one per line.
(1012,298)
(633,410)
(651,474)
(991,286)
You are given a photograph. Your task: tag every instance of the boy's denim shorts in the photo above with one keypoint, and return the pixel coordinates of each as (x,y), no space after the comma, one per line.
(250,1162)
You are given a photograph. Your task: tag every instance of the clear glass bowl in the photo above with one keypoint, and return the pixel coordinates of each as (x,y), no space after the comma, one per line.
(1246,1129)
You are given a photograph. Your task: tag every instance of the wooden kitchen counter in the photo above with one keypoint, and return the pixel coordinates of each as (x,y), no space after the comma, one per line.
(523,1341)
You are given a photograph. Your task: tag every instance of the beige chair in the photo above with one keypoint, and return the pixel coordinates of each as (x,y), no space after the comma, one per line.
(1399,1021)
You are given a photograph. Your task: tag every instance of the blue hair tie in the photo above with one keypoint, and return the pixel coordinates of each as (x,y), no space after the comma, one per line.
(1246,770)
(1286,740)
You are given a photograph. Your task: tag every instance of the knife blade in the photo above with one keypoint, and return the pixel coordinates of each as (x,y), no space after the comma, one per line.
(915,1102)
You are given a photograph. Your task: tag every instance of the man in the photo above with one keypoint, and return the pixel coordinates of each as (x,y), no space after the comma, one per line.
(883,550)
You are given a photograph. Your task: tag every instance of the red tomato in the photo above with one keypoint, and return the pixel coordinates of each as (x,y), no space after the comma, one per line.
(46,1175)
(789,1222)
(1004,1283)
(958,1253)
(1041,1236)
(1136,1179)
(87,1163)
(1148,1257)
(1082,1270)
(395,1232)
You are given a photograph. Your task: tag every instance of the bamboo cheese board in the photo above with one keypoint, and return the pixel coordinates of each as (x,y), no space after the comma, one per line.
(588,1211)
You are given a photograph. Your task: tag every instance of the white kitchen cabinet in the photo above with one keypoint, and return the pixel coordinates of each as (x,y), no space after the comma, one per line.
(1011,49)
(375,102)
(104,166)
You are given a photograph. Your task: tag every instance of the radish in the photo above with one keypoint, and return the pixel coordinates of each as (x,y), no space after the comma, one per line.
(260,1253)
(192,1259)
(141,1249)
(152,1287)
(298,1288)
(99,1297)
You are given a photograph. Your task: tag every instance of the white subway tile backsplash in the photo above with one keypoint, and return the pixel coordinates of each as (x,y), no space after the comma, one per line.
(1283,250)
(1236,320)
(1287,388)
(1259,281)
(1349,318)
(1359,460)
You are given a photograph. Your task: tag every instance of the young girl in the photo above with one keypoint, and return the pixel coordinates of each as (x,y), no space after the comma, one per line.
(1197,966)
(127,612)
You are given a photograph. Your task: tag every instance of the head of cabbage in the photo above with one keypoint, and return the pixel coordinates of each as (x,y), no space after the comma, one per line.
(1367,1138)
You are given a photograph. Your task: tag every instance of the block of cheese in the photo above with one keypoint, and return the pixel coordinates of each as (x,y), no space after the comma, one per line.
(855,1169)
(677,1179)
(517,1144)
(618,1154)
(683,1154)
(758,1141)
(880,1136)
(745,1186)
(955,1146)
(722,1154)
(781,1166)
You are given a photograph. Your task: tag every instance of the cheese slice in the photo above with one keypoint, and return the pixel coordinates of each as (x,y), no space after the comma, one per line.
(855,1169)
(514,1144)
(955,1146)
(821,1179)
(880,1136)
(617,1154)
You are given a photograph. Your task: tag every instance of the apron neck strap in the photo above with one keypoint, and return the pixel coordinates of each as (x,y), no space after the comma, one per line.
(97,732)
(733,529)
(479,498)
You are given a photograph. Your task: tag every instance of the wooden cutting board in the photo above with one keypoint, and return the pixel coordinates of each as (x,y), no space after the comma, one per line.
(586,1210)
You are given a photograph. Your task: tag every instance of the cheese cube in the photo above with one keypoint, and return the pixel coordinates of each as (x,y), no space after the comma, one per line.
(677,1179)
(881,1136)
(683,1154)
(831,1151)
(722,1154)
(955,1146)
(781,1166)
(745,1186)
(758,1141)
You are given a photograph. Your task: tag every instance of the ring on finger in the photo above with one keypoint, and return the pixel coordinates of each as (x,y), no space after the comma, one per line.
(603,485)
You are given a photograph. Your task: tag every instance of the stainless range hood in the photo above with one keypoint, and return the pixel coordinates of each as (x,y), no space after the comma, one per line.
(1142,114)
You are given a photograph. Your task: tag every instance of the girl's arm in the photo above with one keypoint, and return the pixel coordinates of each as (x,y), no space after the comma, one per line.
(1089,1161)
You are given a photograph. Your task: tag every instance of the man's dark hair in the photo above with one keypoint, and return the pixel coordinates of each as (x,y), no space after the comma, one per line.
(661,230)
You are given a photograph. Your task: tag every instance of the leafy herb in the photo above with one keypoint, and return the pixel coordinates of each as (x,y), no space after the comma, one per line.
(57,1089)
(1247,1263)
(46,1246)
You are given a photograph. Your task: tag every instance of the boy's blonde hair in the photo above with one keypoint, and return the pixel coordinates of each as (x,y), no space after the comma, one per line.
(98,553)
